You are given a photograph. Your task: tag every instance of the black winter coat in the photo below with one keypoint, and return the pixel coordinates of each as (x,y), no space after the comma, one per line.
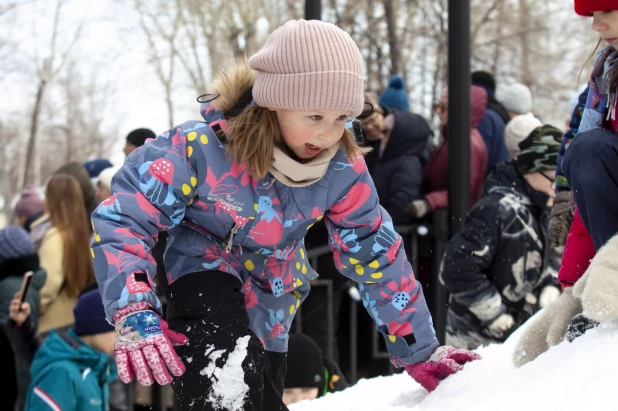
(501,260)
(398,174)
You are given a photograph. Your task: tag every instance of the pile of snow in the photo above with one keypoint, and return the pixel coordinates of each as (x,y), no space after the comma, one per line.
(577,376)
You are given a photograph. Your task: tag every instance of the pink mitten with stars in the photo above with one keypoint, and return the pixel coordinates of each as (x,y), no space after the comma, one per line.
(442,363)
(144,346)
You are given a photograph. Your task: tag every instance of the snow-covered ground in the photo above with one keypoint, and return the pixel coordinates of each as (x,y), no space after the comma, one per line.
(578,376)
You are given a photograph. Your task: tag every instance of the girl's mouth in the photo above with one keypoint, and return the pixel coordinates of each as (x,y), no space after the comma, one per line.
(311,149)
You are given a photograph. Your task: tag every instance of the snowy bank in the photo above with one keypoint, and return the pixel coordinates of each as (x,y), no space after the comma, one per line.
(576,376)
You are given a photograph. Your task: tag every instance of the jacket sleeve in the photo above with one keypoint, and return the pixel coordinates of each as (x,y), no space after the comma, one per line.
(50,254)
(367,249)
(55,390)
(576,118)
(578,252)
(149,194)
(29,337)
(404,187)
(468,255)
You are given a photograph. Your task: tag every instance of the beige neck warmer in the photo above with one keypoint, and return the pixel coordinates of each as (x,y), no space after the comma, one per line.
(295,174)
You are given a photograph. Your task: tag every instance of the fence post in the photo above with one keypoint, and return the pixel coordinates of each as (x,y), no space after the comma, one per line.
(313,10)
(458,129)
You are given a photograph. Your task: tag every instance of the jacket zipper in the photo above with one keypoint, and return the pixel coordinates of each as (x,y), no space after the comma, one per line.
(230,238)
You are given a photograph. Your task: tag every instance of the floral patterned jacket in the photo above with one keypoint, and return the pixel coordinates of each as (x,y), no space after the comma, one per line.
(221,218)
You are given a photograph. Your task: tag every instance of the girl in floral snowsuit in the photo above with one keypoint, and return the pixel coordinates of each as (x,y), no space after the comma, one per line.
(237,194)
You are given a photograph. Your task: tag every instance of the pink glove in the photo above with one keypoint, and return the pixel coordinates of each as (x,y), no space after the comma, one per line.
(442,363)
(144,346)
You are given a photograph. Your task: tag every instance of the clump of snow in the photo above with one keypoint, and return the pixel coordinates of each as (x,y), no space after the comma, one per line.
(229,388)
(209,370)
(571,376)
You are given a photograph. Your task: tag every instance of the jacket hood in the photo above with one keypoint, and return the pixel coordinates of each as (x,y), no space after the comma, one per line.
(230,91)
(409,136)
(478,105)
(70,347)
(505,178)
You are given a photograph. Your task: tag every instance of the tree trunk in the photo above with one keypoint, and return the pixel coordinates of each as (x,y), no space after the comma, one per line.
(391,23)
(29,166)
(524,13)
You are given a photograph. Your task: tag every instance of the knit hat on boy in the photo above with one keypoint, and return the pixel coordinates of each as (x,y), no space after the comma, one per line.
(94,167)
(516,98)
(15,242)
(30,202)
(305,363)
(517,130)
(539,150)
(395,95)
(106,176)
(90,315)
(307,65)
(587,7)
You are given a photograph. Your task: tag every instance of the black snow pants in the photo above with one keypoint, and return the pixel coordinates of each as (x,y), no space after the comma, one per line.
(209,308)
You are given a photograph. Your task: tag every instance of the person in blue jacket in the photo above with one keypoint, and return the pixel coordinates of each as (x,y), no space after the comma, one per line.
(72,371)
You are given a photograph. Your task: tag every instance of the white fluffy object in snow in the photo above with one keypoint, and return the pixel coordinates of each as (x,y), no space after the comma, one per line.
(578,376)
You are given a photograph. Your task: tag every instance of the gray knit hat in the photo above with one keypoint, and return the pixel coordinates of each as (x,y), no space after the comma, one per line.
(15,242)
(309,65)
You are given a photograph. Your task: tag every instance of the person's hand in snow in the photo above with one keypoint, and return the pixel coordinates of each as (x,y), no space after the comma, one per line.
(547,328)
(560,219)
(578,327)
(417,208)
(443,362)
(501,325)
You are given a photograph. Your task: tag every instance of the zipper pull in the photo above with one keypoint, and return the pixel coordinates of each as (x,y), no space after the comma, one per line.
(230,238)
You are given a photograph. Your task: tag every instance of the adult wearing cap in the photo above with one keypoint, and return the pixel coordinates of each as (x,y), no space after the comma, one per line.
(495,268)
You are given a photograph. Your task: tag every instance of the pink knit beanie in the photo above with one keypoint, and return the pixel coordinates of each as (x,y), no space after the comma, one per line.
(309,65)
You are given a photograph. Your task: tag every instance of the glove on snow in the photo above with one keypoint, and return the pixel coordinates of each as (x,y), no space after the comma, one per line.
(578,327)
(417,208)
(561,219)
(547,328)
(501,325)
(144,346)
(600,286)
(443,362)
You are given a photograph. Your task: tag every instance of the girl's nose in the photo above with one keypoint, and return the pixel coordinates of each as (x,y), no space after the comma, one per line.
(598,24)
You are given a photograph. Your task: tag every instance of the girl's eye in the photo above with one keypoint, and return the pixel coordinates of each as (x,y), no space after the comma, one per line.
(316,118)
(342,118)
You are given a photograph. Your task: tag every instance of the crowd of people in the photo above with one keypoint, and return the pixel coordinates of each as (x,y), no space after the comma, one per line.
(217,214)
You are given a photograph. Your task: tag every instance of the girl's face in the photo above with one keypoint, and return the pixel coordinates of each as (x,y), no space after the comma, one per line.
(606,24)
(308,132)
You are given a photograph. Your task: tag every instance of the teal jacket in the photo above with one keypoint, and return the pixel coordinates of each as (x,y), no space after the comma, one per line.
(69,375)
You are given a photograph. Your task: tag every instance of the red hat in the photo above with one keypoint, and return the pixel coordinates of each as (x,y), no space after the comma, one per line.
(587,7)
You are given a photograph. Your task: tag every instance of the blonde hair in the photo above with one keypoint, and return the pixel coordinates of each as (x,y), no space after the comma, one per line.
(65,204)
(255,131)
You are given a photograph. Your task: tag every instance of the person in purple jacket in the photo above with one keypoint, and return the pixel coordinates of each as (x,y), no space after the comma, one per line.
(237,194)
